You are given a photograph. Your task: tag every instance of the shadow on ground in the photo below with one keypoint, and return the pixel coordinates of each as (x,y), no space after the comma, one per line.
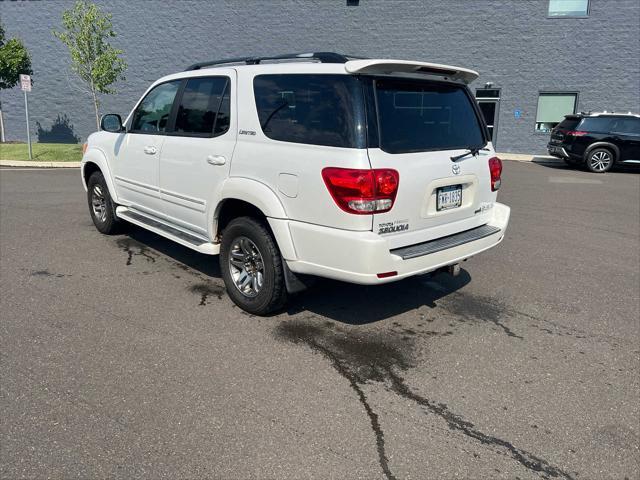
(343,302)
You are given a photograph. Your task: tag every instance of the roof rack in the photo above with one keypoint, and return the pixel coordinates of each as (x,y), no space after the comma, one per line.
(322,57)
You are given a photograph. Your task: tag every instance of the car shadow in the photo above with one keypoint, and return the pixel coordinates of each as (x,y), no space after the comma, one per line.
(359,304)
(339,301)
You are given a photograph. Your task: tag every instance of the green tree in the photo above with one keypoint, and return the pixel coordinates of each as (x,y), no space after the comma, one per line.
(86,32)
(14,60)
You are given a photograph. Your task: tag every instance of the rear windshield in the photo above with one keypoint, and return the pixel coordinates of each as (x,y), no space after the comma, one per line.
(568,124)
(310,108)
(417,116)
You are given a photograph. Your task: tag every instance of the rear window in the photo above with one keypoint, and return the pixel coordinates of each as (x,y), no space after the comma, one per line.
(568,124)
(417,116)
(314,109)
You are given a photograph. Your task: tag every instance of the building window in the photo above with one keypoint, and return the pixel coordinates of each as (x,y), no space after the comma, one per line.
(552,107)
(568,8)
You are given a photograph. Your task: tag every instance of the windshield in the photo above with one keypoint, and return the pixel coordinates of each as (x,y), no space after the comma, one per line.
(416,116)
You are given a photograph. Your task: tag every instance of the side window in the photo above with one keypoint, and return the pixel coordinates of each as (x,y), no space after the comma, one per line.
(204,107)
(630,126)
(598,124)
(152,115)
(313,109)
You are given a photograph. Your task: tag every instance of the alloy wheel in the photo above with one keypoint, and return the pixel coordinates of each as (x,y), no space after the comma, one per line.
(246,266)
(600,161)
(99,203)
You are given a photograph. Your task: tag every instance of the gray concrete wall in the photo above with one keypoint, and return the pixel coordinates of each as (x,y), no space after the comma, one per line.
(511,43)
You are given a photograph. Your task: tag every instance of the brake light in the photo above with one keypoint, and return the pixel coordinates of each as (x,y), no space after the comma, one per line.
(362,191)
(84,148)
(495,168)
(575,133)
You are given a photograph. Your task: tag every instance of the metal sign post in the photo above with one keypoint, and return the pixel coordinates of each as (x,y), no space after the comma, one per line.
(25,86)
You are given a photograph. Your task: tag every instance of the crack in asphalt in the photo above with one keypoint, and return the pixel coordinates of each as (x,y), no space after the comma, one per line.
(363,358)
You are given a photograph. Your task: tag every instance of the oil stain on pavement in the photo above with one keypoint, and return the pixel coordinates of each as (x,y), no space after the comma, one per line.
(206,290)
(379,357)
(133,248)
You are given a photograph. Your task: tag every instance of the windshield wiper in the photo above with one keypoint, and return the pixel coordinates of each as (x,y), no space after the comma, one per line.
(472,151)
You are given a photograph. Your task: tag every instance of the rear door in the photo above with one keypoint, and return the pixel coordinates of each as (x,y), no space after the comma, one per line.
(422,124)
(627,137)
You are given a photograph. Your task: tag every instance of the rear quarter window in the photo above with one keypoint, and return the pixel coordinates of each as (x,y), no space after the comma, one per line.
(597,124)
(313,109)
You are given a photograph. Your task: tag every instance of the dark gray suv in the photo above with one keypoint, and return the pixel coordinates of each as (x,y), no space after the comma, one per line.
(597,140)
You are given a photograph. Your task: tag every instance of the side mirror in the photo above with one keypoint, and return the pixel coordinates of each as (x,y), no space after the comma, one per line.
(111,122)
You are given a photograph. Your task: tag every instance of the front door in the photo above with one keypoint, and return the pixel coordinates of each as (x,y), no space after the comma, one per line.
(489,102)
(196,155)
(136,159)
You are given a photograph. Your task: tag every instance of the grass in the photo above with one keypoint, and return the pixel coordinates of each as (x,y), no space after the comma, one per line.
(42,152)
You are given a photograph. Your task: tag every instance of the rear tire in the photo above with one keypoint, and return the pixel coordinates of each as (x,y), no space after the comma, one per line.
(252,267)
(101,207)
(600,160)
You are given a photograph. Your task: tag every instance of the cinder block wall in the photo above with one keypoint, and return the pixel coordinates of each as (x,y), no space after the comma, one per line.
(511,43)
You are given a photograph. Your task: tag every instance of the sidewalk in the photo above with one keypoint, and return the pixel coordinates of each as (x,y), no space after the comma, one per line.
(30,164)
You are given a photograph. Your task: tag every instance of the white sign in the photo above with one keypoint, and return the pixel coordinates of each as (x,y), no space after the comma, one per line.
(25,83)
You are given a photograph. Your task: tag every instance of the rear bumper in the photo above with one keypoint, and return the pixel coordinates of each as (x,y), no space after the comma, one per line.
(557,151)
(358,257)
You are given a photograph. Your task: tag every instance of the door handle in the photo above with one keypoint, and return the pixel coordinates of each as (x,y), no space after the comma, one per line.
(150,150)
(216,160)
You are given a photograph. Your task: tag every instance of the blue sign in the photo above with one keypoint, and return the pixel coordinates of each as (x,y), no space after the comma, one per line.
(517,114)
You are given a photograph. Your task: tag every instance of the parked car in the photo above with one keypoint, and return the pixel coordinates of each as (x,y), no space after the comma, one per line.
(597,140)
(362,170)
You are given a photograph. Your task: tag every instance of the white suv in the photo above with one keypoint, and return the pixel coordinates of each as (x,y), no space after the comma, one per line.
(361,170)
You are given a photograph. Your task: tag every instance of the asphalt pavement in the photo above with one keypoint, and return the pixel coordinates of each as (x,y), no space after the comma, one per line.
(123,357)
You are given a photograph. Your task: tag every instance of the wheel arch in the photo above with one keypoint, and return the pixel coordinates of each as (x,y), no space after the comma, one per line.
(92,161)
(246,197)
(609,146)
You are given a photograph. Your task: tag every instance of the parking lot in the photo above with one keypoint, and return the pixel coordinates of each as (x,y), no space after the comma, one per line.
(123,357)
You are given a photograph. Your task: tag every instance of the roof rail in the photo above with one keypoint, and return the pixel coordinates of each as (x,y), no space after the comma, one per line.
(322,57)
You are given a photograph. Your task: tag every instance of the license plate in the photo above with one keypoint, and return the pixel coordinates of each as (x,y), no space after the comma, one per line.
(449,197)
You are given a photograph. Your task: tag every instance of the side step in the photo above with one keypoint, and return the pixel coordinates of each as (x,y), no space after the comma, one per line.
(193,241)
(433,246)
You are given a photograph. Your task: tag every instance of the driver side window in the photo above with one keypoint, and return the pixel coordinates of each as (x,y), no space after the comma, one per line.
(152,115)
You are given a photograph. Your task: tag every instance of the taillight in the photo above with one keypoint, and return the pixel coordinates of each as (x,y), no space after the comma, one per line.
(84,148)
(362,191)
(495,168)
(575,133)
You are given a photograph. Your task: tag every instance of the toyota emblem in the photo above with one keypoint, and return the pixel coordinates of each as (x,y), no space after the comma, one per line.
(455,168)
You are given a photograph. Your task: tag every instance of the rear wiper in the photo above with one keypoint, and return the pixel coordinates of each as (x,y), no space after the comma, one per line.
(472,151)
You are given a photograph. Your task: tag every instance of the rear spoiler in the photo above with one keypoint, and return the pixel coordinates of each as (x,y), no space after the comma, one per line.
(448,72)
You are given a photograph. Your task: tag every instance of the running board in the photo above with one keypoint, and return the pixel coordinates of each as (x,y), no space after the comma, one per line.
(191,241)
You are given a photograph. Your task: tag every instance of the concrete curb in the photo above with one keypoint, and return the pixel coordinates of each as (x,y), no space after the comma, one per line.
(27,163)
(518,157)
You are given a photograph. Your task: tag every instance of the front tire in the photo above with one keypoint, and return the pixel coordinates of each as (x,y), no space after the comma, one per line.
(252,267)
(101,206)
(600,160)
